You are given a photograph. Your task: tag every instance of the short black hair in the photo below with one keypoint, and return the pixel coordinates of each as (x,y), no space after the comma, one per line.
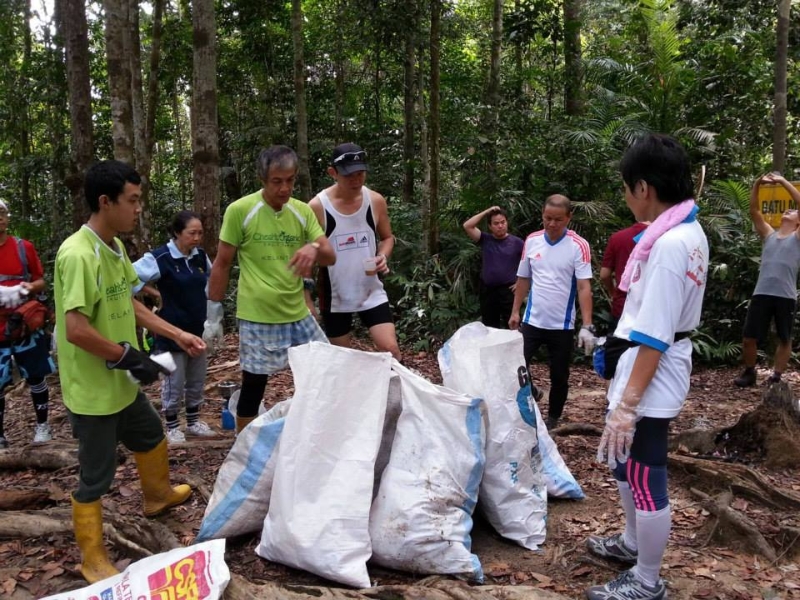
(181,220)
(108,178)
(282,156)
(663,163)
(497,211)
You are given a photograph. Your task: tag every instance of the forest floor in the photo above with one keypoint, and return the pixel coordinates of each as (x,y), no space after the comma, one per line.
(703,560)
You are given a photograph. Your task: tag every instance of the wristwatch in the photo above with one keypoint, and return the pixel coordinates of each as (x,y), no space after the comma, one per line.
(589,328)
(315,245)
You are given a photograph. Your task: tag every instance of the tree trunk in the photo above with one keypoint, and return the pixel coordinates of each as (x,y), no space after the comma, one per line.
(76,43)
(205,144)
(24,90)
(304,174)
(409,102)
(434,129)
(573,66)
(781,62)
(491,120)
(118,45)
(339,75)
(424,153)
(143,235)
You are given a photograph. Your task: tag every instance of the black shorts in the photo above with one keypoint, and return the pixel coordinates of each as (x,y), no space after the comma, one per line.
(765,309)
(339,324)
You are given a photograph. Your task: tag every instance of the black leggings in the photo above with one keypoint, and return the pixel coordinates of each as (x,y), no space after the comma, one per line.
(252,394)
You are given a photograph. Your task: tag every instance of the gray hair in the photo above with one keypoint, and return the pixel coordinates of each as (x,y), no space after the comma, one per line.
(559,201)
(281,156)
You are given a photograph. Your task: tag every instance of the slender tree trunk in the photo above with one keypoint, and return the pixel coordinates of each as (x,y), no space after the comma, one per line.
(409,102)
(781,62)
(180,145)
(76,43)
(433,211)
(117,30)
(304,174)
(339,74)
(422,112)
(24,90)
(143,236)
(491,121)
(573,66)
(205,144)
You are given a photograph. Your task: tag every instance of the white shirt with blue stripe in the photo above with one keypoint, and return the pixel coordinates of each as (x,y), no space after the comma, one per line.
(554,268)
(665,297)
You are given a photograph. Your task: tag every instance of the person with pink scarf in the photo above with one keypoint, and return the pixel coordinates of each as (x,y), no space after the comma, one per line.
(665,279)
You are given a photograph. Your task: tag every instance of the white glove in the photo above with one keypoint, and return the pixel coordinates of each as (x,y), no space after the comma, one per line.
(615,444)
(586,340)
(212,328)
(12,296)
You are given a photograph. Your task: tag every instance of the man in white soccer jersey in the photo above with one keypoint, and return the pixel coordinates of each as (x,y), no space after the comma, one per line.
(556,266)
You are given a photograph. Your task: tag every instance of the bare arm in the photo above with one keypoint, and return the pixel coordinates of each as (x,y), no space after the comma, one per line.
(520,293)
(384,230)
(221,271)
(607,279)
(585,300)
(471,224)
(763,228)
(644,369)
(34,287)
(191,344)
(80,332)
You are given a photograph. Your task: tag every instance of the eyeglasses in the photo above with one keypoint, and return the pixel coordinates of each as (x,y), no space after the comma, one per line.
(351,157)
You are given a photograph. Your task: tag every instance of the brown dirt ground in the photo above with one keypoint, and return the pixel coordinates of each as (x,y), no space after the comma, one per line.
(697,564)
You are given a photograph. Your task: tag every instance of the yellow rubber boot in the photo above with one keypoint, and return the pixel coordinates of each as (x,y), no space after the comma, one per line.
(159,495)
(87,520)
(242,422)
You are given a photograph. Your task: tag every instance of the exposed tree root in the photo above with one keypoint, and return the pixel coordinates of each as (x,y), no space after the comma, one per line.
(576,429)
(728,517)
(740,479)
(24,499)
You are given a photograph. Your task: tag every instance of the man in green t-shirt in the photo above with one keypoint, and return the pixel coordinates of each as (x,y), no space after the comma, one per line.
(99,365)
(278,240)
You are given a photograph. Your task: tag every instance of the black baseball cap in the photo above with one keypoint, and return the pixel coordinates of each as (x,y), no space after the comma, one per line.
(348,159)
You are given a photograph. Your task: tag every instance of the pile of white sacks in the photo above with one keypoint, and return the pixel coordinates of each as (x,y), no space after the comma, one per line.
(371,462)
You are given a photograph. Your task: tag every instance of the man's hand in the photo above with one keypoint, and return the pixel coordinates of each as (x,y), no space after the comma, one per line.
(141,368)
(615,444)
(212,330)
(380,264)
(303,260)
(586,340)
(513,322)
(191,344)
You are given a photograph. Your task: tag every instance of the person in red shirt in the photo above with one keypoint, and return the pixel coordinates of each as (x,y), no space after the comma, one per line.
(619,248)
(22,282)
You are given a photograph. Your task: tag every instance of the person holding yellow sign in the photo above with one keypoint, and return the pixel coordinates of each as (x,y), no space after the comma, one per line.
(775,296)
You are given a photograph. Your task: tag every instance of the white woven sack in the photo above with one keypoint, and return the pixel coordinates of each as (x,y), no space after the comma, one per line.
(242,491)
(318,517)
(421,519)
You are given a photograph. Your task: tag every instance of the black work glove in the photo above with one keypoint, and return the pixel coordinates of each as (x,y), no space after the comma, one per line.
(141,368)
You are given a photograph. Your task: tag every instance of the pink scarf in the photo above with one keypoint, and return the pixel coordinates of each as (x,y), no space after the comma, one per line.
(674,215)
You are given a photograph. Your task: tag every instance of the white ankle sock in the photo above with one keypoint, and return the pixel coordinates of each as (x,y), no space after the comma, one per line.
(652,534)
(626,498)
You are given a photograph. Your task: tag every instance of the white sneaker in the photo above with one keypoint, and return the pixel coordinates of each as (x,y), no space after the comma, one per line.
(175,436)
(200,429)
(42,433)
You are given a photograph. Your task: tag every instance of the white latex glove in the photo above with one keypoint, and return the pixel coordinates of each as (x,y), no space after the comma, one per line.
(586,340)
(212,328)
(617,438)
(12,296)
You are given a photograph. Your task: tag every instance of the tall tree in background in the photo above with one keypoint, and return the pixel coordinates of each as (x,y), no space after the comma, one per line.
(434,129)
(491,120)
(573,67)
(205,140)
(118,54)
(409,101)
(76,44)
(304,174)
(781,66)
(24,121)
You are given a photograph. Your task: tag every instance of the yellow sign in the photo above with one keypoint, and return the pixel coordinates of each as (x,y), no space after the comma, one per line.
(774,200)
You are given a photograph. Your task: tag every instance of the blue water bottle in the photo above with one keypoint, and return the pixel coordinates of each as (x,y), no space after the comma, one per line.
(227,389)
